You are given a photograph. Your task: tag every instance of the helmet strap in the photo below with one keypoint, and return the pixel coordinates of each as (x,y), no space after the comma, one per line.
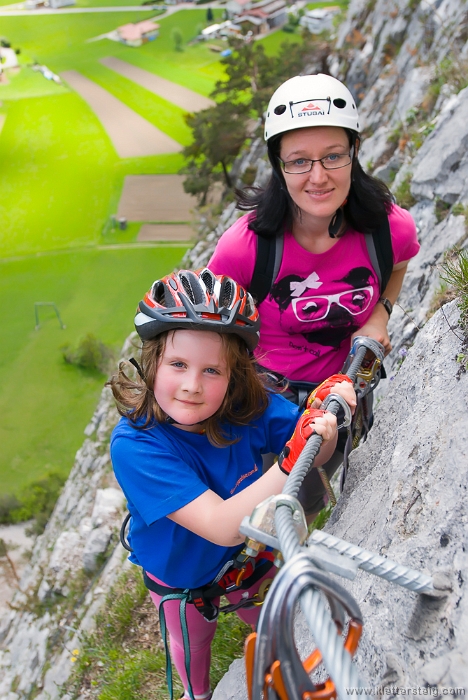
(137,367)
(336,223)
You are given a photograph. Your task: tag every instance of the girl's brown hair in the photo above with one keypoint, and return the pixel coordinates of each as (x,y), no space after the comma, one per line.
(246,397)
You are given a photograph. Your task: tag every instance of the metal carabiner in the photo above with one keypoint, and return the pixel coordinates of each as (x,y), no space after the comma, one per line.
(348,416)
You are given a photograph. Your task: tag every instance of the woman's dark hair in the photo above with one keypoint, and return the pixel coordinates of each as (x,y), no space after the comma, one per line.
(245,400)
(368,201)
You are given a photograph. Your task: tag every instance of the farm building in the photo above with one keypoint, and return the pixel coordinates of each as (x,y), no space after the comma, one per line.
(237,7)
(54,4)
(319,20)
(264,16)
(139,33)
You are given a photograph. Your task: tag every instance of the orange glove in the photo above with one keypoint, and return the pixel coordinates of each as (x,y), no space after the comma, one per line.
(326,387)
(295,445)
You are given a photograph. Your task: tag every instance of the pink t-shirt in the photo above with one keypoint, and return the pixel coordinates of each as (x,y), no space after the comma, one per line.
(317,301)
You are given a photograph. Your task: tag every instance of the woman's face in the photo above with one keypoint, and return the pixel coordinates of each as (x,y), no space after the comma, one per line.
(320,192)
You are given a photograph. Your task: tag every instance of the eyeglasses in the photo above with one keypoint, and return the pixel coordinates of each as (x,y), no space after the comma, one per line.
(355,301)
(332,161)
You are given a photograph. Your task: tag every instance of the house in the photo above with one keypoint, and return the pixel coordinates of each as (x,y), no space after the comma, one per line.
(211,32)
(139,33)
(217,31)
(55,4)
(234,8)
(319,20)
(263,16)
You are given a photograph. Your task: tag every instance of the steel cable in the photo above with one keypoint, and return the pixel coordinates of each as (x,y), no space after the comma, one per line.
(337,659)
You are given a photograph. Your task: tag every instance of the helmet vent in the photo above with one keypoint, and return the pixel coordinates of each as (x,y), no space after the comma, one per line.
(159,292)
(187,288)
(341,104)
(280,109)
(192,287)
(249,306)
(227,290)
(208,280)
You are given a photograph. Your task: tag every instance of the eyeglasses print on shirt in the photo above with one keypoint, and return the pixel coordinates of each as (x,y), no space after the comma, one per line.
(315,308)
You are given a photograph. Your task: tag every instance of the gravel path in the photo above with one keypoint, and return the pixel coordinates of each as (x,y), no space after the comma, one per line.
(132,136)
(187,99)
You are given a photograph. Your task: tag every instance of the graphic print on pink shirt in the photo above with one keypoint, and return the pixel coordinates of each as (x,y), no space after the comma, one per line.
(323,318)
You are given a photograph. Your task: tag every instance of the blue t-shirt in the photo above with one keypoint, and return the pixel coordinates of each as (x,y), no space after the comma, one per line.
(163,468)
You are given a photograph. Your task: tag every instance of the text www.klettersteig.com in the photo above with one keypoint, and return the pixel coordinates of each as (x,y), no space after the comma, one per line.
(396,690)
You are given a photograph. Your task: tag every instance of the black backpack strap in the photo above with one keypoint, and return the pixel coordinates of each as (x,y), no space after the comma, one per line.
(379,247)
(267,265)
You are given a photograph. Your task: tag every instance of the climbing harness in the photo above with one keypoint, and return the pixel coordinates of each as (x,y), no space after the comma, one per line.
(237,574)
(274,669)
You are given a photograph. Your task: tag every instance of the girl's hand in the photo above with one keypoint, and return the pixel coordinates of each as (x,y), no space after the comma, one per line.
(312,421)
(336,384)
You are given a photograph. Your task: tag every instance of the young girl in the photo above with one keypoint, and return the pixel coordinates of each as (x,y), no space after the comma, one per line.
(187,452)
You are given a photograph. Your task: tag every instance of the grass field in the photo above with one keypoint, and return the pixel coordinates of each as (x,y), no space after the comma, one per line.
(62,42)
(45,403)
(60,181)
(57,175)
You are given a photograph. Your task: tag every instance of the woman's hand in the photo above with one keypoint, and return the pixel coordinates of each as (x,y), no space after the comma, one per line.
(376,328)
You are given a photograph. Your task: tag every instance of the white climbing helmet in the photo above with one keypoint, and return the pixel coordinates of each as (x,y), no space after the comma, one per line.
(310,100)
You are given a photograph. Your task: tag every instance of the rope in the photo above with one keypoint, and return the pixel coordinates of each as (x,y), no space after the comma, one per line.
(183,624)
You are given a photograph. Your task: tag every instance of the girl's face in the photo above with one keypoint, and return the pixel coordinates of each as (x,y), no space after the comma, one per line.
(192,377)
(318,193)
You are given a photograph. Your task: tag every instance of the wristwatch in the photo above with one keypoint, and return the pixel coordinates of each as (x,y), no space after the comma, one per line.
(388,305)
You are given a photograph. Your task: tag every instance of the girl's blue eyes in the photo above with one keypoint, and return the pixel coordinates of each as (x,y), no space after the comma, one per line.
(181,365)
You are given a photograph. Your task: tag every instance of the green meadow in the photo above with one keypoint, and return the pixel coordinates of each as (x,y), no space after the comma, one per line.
(46,403)
(60,182)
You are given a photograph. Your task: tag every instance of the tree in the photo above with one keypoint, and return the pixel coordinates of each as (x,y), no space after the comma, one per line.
(218,135)
(209,15)
(176,35)
(219,132)
(253,76)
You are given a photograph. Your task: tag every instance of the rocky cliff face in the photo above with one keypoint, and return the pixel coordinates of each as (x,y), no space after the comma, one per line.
(406,497)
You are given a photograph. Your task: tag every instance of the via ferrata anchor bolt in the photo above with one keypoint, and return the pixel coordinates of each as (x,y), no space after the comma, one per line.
(253,547)
(260,527)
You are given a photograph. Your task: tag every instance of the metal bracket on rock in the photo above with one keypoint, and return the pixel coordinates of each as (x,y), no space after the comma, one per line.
(260,531)
(260,528)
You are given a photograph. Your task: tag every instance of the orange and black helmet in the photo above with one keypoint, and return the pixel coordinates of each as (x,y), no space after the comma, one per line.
(198,301)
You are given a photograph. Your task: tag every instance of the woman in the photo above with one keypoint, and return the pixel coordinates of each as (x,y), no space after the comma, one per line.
(326,212)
